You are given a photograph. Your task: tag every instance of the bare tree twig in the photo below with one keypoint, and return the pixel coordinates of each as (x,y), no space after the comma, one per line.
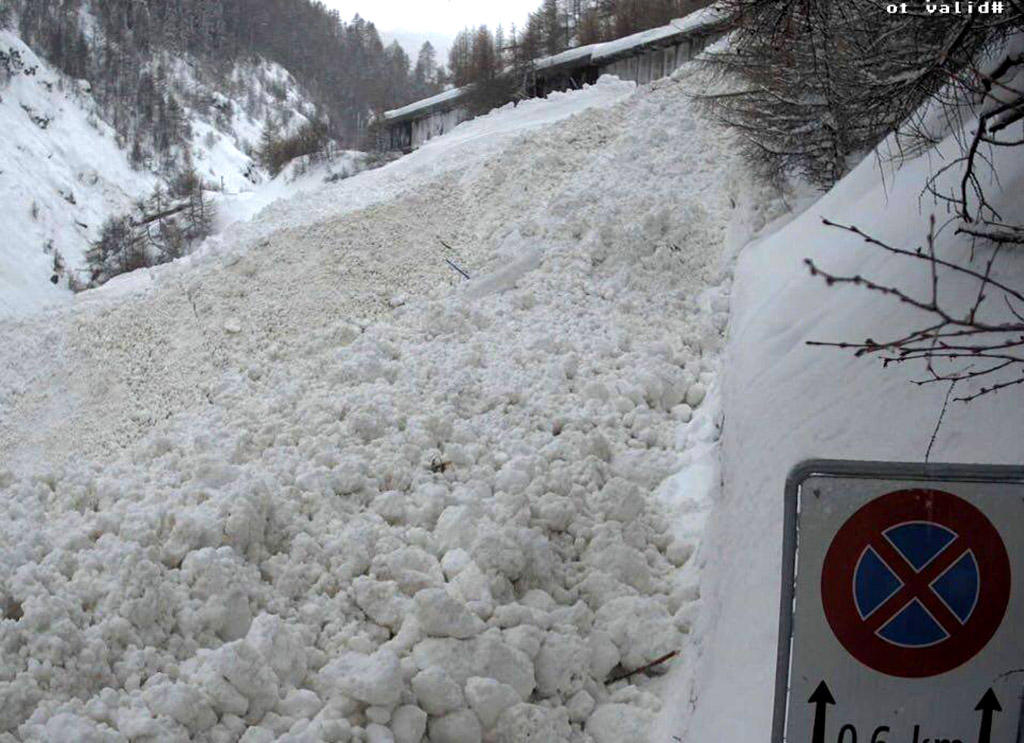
(938,423)
(956,345)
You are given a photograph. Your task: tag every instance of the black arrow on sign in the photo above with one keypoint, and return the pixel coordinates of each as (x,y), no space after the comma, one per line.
(988,706)
(820,698)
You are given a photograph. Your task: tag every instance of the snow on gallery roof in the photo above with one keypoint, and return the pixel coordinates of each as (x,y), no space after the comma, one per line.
(568,56)
(677,28)
(581,55)
(426,103)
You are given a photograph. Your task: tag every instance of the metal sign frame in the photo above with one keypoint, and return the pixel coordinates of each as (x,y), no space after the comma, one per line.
(911,471)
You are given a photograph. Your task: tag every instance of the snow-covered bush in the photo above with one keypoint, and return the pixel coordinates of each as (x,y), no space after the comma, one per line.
(11,63)
(166,226)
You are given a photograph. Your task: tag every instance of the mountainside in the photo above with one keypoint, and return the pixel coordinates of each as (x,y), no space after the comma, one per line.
(66,171)
(61,174)
(117,46)
(126,121)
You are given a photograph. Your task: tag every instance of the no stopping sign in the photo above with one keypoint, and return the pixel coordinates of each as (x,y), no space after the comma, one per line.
(916,582)
(902,604)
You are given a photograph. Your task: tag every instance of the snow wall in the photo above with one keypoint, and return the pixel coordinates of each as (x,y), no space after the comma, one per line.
(786,402)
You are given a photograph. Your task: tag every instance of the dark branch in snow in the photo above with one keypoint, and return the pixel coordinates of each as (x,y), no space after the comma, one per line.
(958,344)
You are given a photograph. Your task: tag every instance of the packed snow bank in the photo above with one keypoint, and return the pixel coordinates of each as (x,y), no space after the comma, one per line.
(319,487)
(786,402)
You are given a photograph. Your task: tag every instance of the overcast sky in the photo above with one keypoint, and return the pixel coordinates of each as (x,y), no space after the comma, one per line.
(435,16)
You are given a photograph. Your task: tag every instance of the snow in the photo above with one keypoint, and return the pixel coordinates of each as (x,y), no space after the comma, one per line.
(310,483)
(63,171)
(441,615)
(58,181)
(448,95)
(489,698)
(239,205)
(306,200)
(375,679)
(257,498)
(569,55)
(699,19)
(680,27)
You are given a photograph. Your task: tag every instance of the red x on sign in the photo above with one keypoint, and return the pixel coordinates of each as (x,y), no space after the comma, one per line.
(915,583)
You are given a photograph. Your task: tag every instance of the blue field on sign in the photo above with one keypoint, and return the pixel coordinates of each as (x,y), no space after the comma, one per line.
(912,625)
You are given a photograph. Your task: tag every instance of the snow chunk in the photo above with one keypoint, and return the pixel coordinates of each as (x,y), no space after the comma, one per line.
(381,600)
(614,723)
(695,395)
(489,698)
(300,704)
(562,665)
(436,692)
(282,646)
(485,655)
(408,724)
(456,727)
(376,733)
(182,703)
(498,660)
(238,680)
(640,627)
(531,723)
(69,726)
(580,706)
(618,500)
(374,679)
(442,616)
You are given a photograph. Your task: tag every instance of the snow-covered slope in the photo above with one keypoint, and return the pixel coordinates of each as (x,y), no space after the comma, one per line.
(786,402)
(311,483)
(228,121)
(316,485)
(61,174)
(64,171)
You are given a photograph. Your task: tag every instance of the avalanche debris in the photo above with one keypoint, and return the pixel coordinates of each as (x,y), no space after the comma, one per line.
(348,518)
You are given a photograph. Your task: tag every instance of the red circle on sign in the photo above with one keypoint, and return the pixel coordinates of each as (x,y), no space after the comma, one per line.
(972,535)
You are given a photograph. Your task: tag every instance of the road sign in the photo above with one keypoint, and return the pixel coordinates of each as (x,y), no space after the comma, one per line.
(902,616)
(915,583)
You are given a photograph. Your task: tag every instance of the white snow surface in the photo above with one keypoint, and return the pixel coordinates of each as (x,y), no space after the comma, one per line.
(312,485)
(445,95)
(305,200)
(59,179)
(679,27)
